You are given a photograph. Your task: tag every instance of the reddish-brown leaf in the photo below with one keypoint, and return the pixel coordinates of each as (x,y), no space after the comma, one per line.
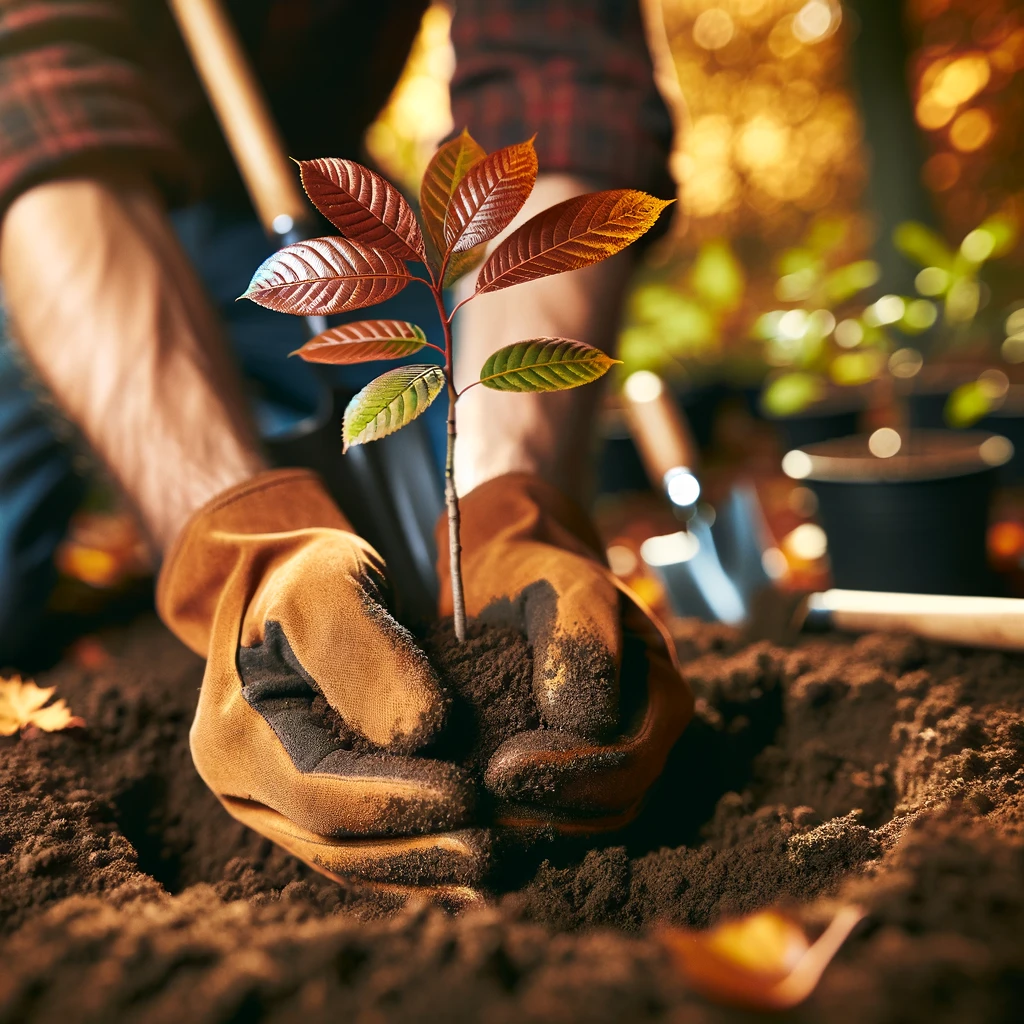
(364,341)
(570,235)
(448,166)
(489,196)
(363,206)
(326,275)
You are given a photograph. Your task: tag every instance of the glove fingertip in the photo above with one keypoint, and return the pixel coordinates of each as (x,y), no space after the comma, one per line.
(576,683)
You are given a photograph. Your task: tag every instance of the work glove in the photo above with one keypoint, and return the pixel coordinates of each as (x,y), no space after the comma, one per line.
(288,605)
(607,686)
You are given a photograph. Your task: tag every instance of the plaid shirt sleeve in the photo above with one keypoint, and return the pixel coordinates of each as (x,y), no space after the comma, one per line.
(70,92)
(576,72)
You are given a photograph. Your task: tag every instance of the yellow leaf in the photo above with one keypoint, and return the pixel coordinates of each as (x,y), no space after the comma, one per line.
(23,704)
(760,962)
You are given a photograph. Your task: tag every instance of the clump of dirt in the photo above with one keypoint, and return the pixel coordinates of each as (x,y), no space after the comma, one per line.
(490,680)
(884,771)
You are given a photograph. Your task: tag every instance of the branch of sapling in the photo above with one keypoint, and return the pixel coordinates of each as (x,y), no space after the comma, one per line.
(467,198)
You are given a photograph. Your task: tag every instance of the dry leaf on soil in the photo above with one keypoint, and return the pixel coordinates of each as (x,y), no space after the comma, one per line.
(23,705)
(760,962)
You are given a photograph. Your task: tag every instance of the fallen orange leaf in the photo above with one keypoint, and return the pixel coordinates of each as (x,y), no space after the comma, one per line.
(760,962)
(23,705)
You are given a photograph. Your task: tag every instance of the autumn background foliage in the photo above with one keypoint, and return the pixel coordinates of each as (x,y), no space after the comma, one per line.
(467,198)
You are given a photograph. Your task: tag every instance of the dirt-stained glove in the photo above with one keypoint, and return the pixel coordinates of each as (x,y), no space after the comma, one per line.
(287,604)
(531,558)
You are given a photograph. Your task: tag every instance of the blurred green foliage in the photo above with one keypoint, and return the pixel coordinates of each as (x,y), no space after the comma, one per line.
(954,280)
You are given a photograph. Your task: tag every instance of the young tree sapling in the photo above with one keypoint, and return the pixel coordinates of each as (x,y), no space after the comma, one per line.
(467,198)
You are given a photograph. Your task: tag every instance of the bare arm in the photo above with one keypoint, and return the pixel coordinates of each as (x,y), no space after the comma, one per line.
(549,434)
(108,308)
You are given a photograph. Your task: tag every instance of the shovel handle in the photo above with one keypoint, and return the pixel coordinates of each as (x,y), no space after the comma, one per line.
(996,622)
(658,426)
(241,109)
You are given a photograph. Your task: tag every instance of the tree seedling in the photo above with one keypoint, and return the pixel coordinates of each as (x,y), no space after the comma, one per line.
(467,198)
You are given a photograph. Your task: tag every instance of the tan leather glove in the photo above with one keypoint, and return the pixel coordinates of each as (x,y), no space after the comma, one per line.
(286,603)
(531,559)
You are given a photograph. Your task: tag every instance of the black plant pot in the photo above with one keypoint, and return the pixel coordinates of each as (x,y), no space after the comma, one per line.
(926,406)
(816,425)
(915,522)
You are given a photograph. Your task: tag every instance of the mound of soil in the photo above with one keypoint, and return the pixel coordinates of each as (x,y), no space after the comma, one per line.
(883,771)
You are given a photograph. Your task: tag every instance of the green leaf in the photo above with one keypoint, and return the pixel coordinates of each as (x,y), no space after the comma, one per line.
(390,402)
(923,245)
(845,282)
(544,364)
(967,404)
(717,276)
(461,263)
(364,341)
(791,393)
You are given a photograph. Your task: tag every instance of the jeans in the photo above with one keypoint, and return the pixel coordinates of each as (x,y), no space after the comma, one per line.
(39,488)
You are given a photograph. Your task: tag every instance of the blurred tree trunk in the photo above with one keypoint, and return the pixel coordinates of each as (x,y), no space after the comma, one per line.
(880,58)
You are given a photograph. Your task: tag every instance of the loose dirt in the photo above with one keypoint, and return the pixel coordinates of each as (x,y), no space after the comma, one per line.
(882,771)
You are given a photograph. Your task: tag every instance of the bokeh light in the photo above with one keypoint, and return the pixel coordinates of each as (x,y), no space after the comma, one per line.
(418,114)
(966,75)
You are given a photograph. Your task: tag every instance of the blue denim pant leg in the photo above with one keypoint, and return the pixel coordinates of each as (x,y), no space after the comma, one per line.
(39,491)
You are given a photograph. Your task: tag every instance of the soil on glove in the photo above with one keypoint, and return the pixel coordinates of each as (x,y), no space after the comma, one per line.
(881,771)
(488,681)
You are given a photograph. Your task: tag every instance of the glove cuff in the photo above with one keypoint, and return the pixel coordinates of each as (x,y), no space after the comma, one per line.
(521,506)
(205,551)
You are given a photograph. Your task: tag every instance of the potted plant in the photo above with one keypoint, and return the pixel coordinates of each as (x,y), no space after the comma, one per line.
(961,370)
(823,346)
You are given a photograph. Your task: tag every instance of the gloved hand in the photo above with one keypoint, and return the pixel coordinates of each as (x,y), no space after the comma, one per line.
(286,603)
(531,559)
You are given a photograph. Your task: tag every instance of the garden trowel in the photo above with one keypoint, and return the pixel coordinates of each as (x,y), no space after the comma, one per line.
(399,497)
(714,566)
(714,570)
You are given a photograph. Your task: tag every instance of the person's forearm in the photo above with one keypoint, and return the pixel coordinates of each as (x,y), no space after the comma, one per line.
(107,307)
(547,434)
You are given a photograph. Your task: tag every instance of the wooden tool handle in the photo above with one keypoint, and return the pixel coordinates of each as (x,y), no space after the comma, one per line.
(244,116)
(969,621)
(658,426)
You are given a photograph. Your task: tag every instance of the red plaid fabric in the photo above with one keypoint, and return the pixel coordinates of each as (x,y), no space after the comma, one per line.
(87,80)
(576,72)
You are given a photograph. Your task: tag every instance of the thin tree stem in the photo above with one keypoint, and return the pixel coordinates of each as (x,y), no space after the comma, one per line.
(451,497)
(454,541)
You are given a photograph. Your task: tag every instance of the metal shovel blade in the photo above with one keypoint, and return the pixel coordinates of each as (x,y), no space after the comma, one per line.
(714,572)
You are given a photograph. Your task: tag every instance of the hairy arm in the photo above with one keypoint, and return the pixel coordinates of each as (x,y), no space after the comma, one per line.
(108,309)
(546,434)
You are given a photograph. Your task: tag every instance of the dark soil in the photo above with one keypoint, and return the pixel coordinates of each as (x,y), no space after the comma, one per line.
(883,771)
(490,681)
